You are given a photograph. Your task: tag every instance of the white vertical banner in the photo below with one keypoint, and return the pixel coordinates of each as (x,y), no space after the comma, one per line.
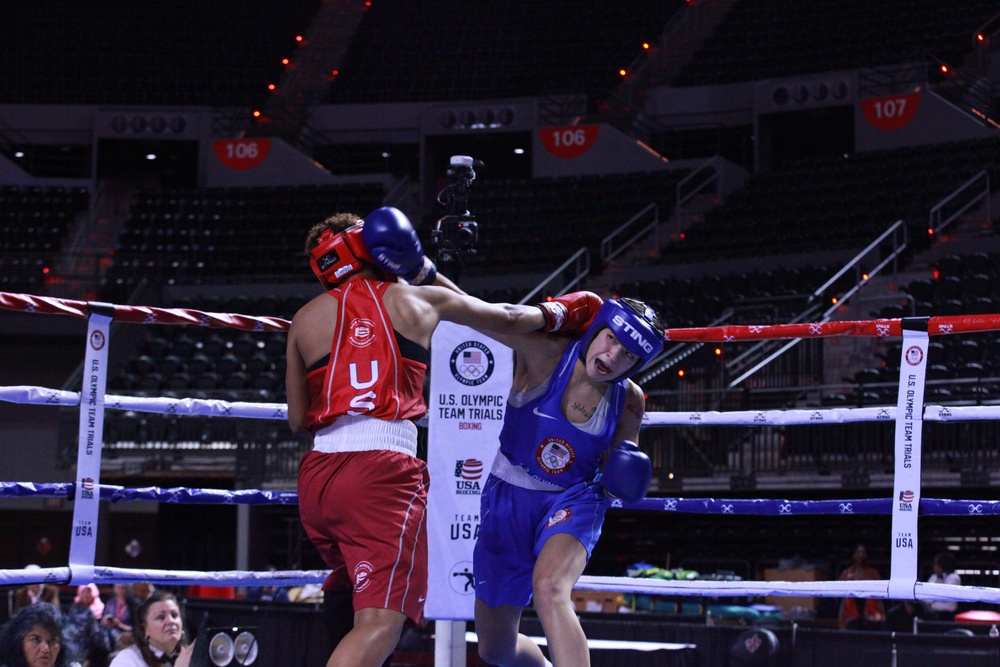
(907,448)
(470,379)
(86,505)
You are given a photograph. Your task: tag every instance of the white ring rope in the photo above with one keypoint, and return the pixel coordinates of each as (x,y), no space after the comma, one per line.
(24,394)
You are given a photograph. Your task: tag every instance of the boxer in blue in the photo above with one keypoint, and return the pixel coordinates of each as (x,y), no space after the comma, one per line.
(568,443)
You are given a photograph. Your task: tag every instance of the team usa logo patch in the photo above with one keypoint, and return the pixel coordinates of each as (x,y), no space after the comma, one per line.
(362,576)
(914,355)
(562,515)
(361,332)
(97,340)
(472,363)
(555,456)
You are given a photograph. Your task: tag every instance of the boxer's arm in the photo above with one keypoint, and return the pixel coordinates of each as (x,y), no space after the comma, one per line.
(296,384)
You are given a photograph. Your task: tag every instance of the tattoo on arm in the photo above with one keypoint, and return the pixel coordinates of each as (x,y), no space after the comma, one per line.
(635,410)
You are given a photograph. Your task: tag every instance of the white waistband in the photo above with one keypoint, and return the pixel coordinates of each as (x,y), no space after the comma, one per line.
(366,434)
(518,476)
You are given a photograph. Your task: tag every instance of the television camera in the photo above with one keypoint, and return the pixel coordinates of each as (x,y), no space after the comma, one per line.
(457,231)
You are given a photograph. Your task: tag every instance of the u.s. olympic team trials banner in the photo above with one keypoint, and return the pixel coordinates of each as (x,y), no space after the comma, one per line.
(470,380)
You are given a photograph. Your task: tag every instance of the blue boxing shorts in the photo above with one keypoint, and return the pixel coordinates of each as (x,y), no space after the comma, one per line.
(515,523)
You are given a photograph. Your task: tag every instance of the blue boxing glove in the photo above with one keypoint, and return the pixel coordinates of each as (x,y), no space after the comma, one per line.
(627,472)
(395,248)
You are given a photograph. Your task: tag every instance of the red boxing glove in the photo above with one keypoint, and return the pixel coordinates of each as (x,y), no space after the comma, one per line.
(570,314)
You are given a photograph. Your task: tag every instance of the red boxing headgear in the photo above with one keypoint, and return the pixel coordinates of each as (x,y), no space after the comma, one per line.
(338,255)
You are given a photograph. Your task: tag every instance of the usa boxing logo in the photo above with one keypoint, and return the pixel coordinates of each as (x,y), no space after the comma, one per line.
(472,363)
(362,576)
(467,474)
(362,332)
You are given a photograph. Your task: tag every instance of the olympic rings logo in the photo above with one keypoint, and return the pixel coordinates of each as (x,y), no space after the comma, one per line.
(472,363)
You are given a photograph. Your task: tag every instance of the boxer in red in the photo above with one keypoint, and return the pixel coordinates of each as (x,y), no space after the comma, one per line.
(356,360)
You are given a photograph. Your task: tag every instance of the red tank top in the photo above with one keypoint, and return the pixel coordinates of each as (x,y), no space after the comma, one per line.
(366,373)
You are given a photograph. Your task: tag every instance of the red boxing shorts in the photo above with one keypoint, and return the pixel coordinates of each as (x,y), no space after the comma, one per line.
(365,512)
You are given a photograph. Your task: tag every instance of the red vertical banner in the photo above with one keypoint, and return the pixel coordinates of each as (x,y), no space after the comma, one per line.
(569,142)
(891,113)
(241,154)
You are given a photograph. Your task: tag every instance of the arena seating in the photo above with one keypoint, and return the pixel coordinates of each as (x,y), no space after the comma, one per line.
(411,52)
(764,40)
(835,202)
(34,221)
(222,53)
(534,225)
(226,234)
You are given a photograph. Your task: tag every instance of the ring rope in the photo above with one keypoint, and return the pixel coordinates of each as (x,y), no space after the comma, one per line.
(755,507)
(729,333)
(278,411)
(880,328)
(29,303)
(157,405)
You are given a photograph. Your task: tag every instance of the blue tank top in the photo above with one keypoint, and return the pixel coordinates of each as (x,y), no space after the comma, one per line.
(538,438)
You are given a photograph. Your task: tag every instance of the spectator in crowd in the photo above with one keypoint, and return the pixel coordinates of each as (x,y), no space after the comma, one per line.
(861,613)
(33,593)
(83,640)
(33,638)
(944,573)
(142,590)
(116,620)
(159,635)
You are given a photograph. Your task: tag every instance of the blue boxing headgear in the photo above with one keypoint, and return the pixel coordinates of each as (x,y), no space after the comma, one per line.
(636,327)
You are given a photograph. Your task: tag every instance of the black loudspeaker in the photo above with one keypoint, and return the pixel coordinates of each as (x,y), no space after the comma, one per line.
(225,647)
(754,647)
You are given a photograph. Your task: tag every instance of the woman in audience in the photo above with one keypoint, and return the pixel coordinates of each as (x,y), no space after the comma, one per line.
(32,593)
(116,621)
(159,635)
(861,613)
(33,638)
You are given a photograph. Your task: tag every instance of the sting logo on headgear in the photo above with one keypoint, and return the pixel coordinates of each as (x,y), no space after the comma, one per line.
(636,327)
(338,255)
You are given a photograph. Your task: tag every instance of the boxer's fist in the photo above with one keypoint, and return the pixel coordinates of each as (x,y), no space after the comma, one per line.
(395,248)
(627,472)
(571,313)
